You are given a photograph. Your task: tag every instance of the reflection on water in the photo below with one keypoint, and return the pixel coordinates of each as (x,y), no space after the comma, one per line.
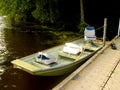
(14,79)
(3,51)
(20,43)
(16,43)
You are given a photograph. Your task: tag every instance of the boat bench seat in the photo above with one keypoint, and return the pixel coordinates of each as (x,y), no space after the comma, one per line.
(25,65)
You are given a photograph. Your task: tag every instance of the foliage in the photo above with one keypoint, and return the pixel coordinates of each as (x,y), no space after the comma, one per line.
(43,11)
(17,10)
(82,26)
(40,13)
(55,13)
(46,11)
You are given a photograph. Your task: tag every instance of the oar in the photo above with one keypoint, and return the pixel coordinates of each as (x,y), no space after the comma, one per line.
(78,57)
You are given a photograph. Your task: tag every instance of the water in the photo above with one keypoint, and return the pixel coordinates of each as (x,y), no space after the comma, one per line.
(17,43)
(3,51)
(14,79)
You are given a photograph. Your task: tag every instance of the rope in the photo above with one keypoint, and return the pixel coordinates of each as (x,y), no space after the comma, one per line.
(100,27)
(90,25)
(95,29)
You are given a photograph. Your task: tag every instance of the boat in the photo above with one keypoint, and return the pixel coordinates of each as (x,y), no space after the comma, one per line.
(62,61)
(63,64)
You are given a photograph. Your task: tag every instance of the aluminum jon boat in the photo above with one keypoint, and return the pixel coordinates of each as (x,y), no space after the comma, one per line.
(62,62)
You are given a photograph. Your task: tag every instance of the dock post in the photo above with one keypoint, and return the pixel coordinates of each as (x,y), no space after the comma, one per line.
(104,33)
(81,11)
(119,28)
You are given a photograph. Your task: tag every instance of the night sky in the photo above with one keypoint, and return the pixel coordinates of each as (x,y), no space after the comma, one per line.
(94,13)
(106,9)
(99,9)
(96,10)
(93,9)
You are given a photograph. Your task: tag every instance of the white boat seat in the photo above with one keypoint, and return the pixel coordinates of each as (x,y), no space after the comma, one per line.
(72,48)
(45,58)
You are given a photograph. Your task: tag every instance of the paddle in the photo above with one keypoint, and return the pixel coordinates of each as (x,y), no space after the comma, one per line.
(78,57)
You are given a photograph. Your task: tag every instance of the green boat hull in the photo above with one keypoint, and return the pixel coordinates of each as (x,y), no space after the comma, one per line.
(63,65)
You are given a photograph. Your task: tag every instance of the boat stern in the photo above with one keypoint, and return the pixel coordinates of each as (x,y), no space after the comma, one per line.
(24,66)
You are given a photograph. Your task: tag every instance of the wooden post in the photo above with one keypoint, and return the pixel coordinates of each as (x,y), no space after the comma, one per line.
(81,11)
(50,11)
(119,28)
(104,33)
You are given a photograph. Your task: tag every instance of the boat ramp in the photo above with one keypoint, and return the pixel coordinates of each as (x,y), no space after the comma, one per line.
(101,72)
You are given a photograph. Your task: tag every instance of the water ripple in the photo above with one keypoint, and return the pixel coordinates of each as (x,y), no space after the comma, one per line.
(3,51)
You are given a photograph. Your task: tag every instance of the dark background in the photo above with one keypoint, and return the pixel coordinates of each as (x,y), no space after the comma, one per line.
(94,13)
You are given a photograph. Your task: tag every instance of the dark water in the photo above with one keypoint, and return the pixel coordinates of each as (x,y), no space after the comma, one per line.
(14,79)
(16,43)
